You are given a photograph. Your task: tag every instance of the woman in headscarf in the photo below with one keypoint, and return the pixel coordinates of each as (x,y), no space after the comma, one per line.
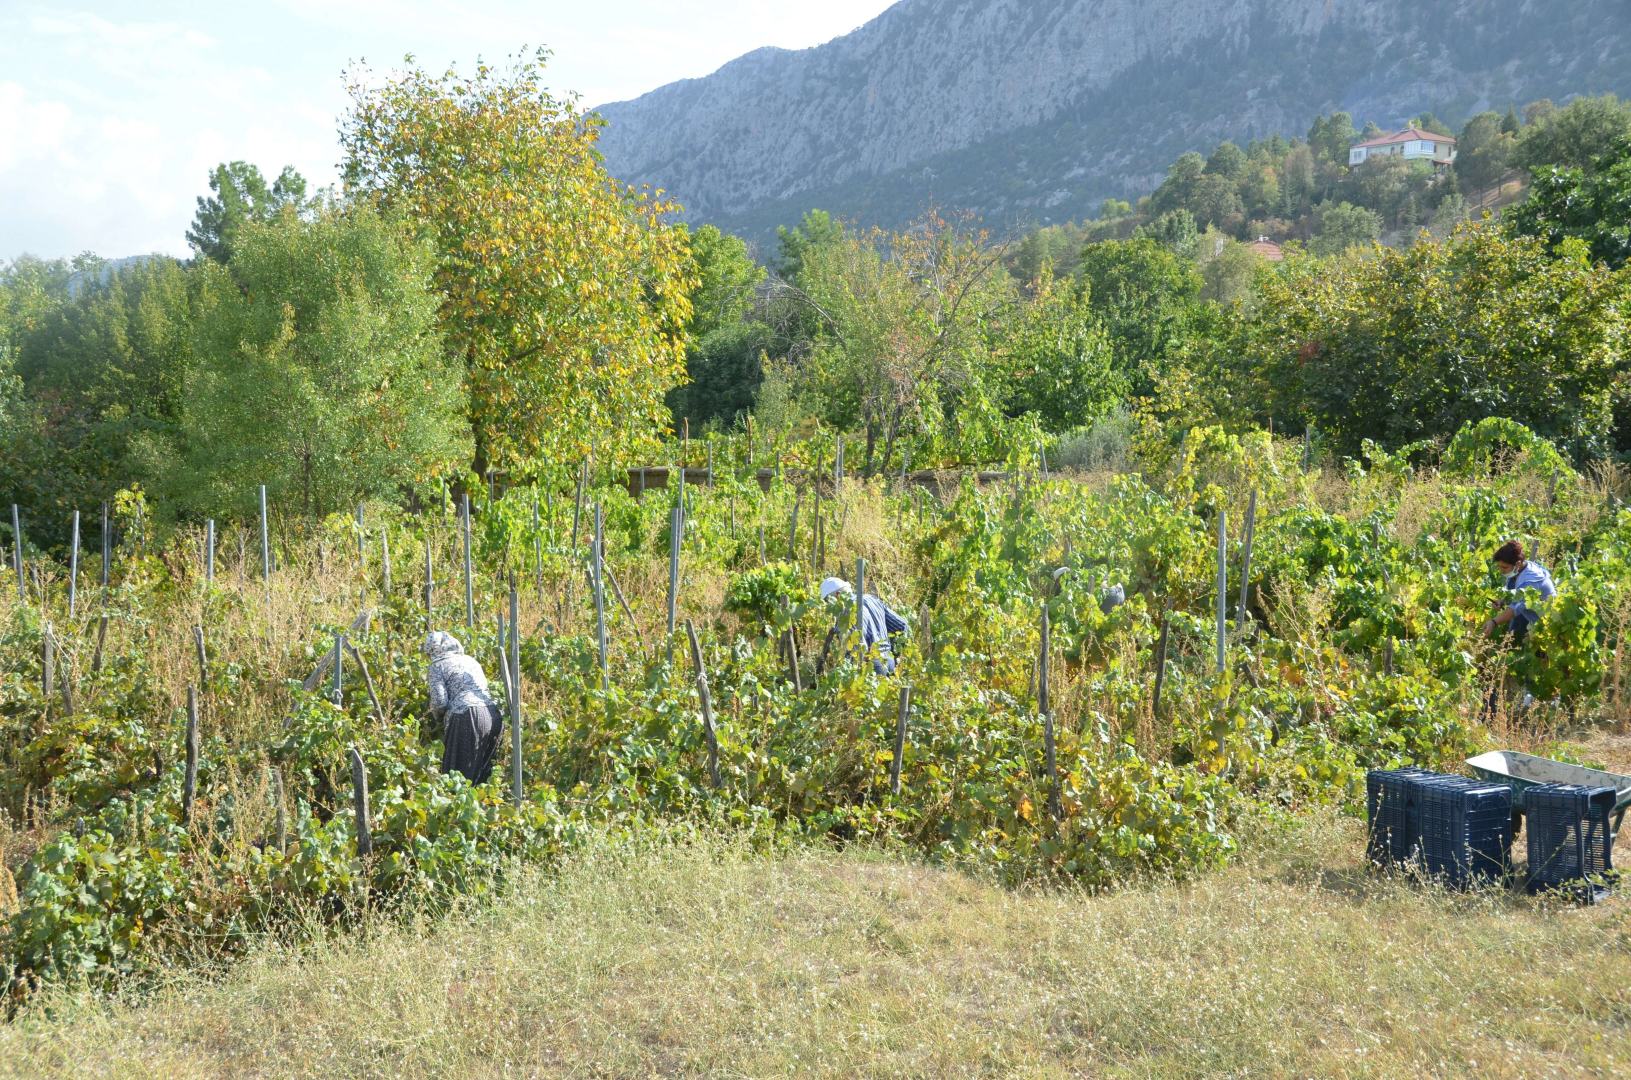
(471,722)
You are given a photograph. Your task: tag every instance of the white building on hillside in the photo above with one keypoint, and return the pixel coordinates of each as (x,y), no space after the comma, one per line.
(1411,143)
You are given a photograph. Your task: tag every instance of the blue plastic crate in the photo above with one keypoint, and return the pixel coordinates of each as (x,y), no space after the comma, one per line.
(1392,811)
(1465,829)
(1568,836)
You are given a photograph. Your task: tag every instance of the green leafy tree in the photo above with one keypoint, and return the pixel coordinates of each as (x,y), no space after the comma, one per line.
(1178,188)
(1060,362)
(1593,208)
(1416,343)
(1483,152)
(319,373)
(1510,124)
(241,195)
(817,229)
(1111,209)
(1344,226)
(1334,137)
(1575,135)
(565,294)
(1227,161)
(1176,229)
(726,279)
(1147,297)
(1428,122)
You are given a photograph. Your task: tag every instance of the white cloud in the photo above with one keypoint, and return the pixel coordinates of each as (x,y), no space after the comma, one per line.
(112,114)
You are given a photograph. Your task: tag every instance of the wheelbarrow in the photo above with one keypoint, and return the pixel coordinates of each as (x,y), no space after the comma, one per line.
(1521,771)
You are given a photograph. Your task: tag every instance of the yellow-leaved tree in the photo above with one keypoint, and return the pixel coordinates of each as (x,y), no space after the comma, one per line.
(564,292)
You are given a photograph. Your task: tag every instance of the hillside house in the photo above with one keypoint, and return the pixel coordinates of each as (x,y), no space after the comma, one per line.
(1411,144)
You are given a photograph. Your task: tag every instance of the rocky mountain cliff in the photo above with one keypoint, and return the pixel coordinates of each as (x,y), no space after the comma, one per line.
(1035,110)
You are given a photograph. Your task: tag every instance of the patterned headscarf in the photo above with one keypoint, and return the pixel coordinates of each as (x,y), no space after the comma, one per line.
(439,643)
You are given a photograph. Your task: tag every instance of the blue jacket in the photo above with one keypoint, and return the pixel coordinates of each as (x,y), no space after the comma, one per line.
(1531,576)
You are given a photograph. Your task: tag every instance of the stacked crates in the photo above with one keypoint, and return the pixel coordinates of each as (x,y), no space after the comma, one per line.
(1392,811)
(1466,829)
(1453,828)
(1568,836)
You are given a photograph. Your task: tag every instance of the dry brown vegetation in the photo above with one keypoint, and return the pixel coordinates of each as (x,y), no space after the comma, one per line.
(704,960)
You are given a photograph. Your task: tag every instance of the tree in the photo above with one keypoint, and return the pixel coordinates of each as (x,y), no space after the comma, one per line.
(1591,208)
(1111,209)
(1147,297)
(1482,152)
(1428,122)
(1344,226)
(726,278)
(564,293)
(1417,342)
(1334,137)
(1176,190)
(1060,363)
(241,195)
(1175,229)
(722,352)
(1214,200)
(1371,131)
(816,230)
(1227,161)
(1510,124)
(1571,137)
(319,372)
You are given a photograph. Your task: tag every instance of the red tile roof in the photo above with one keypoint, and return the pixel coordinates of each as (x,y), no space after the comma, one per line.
(1268,249)
(1407,135)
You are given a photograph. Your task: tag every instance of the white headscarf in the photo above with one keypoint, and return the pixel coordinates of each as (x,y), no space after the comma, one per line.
(439,643)
(833,585)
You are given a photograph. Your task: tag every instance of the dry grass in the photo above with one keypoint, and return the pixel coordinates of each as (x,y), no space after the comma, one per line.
(707,961)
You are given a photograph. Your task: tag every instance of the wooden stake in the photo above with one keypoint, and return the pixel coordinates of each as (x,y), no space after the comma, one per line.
(282,814)
(101,637)
(189,784)
(48,663)
(925,628)
(429,597)
(707,705)
(900,740)
(792,650)
(203,657)
(359,802)
(385,555)
(367,679)
(209,551)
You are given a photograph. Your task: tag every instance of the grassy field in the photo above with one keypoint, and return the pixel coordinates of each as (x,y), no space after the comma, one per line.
(703,960)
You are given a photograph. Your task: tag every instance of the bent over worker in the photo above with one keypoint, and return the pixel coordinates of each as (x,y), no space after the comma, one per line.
(877,623)
(1520,574)
(471,722)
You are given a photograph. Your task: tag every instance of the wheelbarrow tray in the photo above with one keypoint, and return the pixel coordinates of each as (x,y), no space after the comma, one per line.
(1521,771)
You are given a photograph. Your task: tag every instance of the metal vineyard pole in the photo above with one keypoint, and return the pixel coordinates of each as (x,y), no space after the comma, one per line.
(469,584)
(266,542)
(339,665)
(362,537)
(209,551)
(600,602)
(674,573)
(73,571)
(1044,707)
(428,594)
(1223,583)
(1246,562)
(17,551)
(282,814)
(1160,668)
(860,596)
(514,663)
(107,546)
(385,555)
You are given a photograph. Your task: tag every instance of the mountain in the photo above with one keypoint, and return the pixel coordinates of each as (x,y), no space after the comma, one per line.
(1036,110)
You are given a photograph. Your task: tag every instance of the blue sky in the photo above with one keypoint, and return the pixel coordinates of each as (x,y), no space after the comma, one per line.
(112,114)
